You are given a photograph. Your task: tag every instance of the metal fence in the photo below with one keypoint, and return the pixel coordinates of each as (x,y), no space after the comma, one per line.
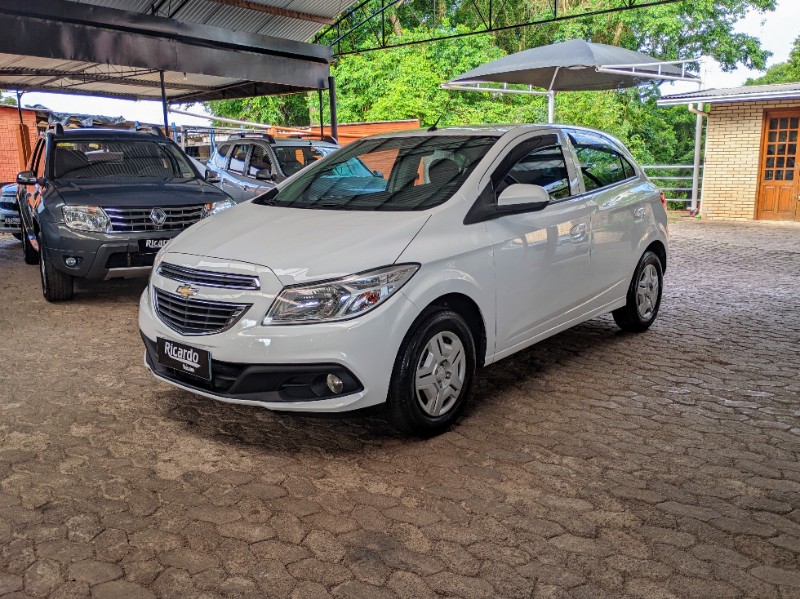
(675,180)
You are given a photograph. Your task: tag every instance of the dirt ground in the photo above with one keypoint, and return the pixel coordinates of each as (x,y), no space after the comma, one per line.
(596,464)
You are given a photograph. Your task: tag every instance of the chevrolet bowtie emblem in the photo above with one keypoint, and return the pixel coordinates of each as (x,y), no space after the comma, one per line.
(186,291)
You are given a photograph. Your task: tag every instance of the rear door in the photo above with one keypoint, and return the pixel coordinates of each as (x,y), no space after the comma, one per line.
(260,161)
(235,181)
(621,214)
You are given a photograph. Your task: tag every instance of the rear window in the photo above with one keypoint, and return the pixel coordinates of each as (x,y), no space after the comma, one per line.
(119,161)
(294,158)
(405,173)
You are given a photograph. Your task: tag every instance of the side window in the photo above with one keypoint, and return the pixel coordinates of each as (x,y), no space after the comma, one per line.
(238,157)
(545,167)
(37,162)
(222,156)
(258,160)
(600,163)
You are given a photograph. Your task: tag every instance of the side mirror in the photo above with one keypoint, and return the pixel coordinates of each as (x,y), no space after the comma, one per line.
(26,178)
(211,177)
(522,197)
(377,174)
(265,174)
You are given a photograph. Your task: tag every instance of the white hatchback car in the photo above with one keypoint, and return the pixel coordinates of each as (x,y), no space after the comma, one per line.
(389,270)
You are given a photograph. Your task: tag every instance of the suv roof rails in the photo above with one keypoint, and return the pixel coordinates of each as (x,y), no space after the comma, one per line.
(151,129)
(330,139)
(253,135)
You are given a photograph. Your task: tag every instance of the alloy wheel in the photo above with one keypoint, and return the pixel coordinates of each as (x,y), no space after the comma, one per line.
(647,290)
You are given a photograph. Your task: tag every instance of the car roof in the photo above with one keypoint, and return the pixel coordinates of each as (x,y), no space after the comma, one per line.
(100,133)
(485,130)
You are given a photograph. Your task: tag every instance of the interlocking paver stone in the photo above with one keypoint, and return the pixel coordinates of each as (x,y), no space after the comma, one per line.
(595,464)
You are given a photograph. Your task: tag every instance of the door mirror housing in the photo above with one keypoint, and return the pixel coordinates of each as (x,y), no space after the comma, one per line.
(211,176)
(522,197)
(26,178)
(265,174)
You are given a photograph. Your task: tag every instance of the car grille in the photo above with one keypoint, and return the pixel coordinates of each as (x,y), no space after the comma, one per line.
(8,205)
(196,317)
(129,260)
(136,220)
(206,278)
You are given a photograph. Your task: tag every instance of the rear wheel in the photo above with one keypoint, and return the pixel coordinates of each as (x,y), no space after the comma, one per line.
(57,286)
(644,296)
(432,374)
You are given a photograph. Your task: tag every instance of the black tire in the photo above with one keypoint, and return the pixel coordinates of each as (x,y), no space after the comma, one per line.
(640,311)
(57,286)
(405,401)
(17,236)
(29,253)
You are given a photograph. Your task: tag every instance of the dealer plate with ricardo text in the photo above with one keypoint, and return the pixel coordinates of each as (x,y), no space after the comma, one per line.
(184,358)
(151,246)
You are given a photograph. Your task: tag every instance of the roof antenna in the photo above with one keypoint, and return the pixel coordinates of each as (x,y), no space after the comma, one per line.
(433,127)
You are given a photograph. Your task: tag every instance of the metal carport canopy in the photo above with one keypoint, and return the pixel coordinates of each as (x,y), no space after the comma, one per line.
(206,49)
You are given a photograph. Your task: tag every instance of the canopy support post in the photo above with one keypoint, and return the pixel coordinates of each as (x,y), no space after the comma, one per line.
(164,102)
(334,117)
(321,120)
(551,107)
(698,153)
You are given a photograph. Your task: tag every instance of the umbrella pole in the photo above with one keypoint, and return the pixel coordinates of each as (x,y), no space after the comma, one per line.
(551,107)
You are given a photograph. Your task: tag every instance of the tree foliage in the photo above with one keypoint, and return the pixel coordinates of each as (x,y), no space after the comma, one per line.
(403,82)
(783,72)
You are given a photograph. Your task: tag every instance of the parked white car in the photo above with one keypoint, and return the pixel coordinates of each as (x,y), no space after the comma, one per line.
(390,270)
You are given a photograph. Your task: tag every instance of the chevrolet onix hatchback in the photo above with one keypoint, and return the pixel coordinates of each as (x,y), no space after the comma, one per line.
(390,270)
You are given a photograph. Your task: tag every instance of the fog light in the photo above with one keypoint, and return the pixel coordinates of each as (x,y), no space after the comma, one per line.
(335,384)
(71,261)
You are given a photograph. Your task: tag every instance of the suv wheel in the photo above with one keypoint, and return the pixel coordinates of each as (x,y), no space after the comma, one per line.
(644,296)
(28,251)
(432,374)
(56,285)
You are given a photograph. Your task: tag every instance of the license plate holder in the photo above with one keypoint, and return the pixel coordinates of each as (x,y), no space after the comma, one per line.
(184,358)
(151,246)
(13,221)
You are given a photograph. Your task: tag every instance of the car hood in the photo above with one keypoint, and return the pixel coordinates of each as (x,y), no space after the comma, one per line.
(301,245)
(140,193)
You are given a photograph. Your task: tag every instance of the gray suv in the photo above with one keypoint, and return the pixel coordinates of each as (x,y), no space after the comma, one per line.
(9,213)
(249,164)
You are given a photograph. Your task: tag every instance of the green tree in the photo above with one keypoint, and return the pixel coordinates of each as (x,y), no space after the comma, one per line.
(783,72)
(7,100)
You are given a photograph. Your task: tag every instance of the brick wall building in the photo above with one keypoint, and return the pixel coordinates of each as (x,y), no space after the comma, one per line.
(9,142)
(752,151)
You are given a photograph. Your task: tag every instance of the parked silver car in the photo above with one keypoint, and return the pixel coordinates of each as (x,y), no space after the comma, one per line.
(9,211)
(249,164)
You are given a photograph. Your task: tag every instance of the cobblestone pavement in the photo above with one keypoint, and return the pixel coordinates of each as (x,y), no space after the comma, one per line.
(597,464)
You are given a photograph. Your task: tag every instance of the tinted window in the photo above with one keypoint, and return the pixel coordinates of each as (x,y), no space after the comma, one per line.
(545,167)
(38,159)
(600,163)
(293,158)
(120,160)
(222,156)
(411,173)
(238,156)
(258,160)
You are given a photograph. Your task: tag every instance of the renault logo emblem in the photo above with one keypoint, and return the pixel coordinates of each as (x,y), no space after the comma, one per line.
(186,291)
(158,216)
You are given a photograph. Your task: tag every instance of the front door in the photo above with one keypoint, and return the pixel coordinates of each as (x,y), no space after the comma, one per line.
(779,192)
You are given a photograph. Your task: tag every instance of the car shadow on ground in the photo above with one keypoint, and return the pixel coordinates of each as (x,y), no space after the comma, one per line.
(351,431)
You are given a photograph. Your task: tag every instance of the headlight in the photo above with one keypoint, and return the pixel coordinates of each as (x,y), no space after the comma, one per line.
(86,218)
(213,208)
(340,299)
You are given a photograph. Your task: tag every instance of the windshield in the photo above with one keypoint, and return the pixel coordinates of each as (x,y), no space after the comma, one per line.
(405,173)
(293,158)
(117,160)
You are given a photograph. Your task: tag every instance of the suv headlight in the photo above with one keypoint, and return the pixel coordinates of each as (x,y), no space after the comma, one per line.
(86,218)
(340,299)
(213,208)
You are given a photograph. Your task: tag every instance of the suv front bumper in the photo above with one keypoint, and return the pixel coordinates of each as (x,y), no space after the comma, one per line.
(100,256)
(9,219)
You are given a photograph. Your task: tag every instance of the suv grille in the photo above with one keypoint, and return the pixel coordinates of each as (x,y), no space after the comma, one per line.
(196,317)
(136,220)
(206,278)
(8,205)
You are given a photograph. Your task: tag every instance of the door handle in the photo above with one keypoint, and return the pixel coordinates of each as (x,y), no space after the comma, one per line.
(578,232)
(639,213)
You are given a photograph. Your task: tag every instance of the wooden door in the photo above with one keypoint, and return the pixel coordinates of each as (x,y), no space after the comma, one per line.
(779,190)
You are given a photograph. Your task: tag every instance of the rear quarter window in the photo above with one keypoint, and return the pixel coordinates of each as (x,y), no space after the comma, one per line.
(600,163)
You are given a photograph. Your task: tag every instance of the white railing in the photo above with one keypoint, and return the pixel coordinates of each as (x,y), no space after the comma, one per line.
(675,180)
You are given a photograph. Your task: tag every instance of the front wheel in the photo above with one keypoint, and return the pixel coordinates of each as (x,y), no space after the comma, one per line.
(29,252)
(432,374)
(57,286)
(644,296)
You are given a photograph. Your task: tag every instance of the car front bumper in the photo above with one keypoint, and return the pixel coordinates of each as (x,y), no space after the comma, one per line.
(364,348)
(9,221)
